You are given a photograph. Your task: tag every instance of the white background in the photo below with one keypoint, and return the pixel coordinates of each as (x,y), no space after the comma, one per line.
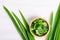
(30,9)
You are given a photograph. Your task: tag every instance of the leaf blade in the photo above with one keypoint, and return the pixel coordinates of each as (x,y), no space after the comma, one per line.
(24,20)
(50,31)
(57,25)
(21,26)
(14,22)
(31,37)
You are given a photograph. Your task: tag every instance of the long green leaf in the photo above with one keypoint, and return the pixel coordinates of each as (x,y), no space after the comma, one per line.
(14,22)
(21,26)
(24,20)
(51,18)
(56,21)
(51,22)
(57,24)
(57,32)
(30,36)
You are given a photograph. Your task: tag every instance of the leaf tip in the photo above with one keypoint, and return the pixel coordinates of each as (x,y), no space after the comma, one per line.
(4,7)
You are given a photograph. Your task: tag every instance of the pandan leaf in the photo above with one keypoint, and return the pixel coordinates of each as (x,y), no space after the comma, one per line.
(24,20)
(31,37)
(39,27)
(21,26)
(56,29)
(57,32)
(51,18)
(15,23)
(50,31)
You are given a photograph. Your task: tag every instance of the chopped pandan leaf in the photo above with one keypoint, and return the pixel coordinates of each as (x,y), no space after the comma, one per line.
(24,20)
(31,37)
(15,23)
(40,27)
(37,32)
